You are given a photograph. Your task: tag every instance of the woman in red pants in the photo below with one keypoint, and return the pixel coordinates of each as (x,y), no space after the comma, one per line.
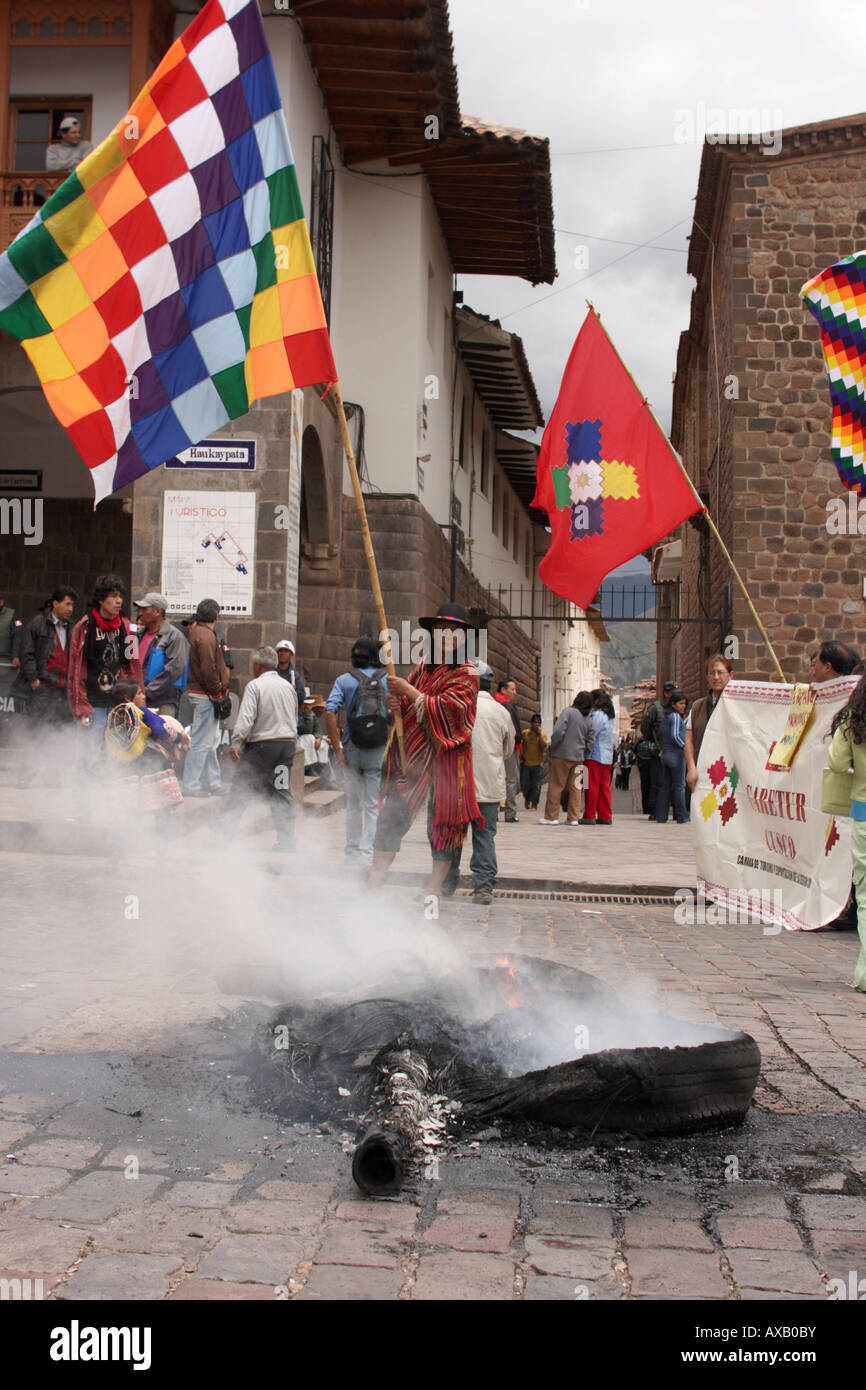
(596,806)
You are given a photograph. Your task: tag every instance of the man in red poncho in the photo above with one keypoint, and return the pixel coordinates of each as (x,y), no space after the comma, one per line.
(437,703)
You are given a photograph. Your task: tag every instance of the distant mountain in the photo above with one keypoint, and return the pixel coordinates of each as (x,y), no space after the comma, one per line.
(628,593)
(630,655)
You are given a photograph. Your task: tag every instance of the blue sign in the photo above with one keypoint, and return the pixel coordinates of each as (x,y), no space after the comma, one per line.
(219,455)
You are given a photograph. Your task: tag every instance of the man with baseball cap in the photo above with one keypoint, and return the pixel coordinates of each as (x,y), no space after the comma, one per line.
(310,735)
(208,681)
(163,654)
(285,658)
(68,151)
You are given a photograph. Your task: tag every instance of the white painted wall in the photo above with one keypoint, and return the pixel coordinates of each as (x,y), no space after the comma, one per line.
(490,558)
(383,302)
(576,662)
(100,72)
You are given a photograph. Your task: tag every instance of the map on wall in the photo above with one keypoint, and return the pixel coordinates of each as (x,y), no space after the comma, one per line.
(208,550)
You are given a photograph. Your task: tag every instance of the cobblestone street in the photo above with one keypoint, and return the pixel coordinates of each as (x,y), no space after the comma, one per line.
(137,1167)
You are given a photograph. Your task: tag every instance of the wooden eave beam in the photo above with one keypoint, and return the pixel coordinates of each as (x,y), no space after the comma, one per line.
(326,56)
(309,11)
(369,31)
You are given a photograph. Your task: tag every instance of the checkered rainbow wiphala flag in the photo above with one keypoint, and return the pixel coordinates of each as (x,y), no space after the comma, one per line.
(169,281)
(837,298)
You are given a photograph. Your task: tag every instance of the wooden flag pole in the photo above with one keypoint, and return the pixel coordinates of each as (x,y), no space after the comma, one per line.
(710,522)
(368,551)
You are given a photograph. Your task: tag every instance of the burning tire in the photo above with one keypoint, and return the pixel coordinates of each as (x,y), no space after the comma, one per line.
(648,1090)
(705,1081)
(499,1042)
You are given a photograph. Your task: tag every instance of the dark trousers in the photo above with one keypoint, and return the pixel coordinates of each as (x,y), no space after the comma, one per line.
(530,783)
(655,767)
(644,771)
(482,865)
(673,788)
(48,705)
(265,770)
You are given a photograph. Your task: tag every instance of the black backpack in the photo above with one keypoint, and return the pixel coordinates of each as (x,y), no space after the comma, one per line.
(368,719)
(649,725)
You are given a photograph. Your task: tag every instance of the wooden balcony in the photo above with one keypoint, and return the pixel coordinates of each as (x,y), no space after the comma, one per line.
(21,195)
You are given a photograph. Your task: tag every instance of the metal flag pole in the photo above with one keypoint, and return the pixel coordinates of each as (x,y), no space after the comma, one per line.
(368,551)
(698,499)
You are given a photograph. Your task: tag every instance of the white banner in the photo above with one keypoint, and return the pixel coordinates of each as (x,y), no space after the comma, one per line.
(761,836)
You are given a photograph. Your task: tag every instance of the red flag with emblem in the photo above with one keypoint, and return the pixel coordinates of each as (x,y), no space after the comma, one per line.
(607,476)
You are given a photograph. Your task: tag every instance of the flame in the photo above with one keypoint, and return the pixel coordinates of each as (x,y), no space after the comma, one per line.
(508,987)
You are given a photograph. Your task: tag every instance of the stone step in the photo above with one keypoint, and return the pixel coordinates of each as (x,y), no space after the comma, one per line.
(323,801)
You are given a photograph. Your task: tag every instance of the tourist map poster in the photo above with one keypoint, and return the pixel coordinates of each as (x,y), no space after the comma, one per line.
(760,834)
(208,550)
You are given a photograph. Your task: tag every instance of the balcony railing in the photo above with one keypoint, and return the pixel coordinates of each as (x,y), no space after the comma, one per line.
(21,195)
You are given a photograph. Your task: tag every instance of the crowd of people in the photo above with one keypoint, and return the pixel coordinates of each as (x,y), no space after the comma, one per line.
(444,737)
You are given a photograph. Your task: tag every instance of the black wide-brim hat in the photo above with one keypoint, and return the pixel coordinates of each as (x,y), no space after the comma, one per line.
(448,613)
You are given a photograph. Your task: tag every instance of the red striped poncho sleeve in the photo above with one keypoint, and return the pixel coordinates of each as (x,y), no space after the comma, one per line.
(447,707)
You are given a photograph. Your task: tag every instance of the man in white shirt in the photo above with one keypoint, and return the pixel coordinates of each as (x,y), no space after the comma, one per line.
(67,152)
(492,745)
(263,744)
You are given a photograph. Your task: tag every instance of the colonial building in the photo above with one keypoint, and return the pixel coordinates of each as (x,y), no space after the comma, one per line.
(402,194)
(751,410)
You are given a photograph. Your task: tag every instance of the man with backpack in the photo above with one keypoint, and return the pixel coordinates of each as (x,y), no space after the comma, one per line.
(362,692)
(649,747)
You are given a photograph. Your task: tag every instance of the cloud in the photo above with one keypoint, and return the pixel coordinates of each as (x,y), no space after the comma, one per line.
(596,74)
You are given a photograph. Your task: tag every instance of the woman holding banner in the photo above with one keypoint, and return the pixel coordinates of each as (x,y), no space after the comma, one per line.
(848,750)
(719,670)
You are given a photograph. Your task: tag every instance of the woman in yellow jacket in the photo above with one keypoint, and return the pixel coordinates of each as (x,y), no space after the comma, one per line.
(848,749)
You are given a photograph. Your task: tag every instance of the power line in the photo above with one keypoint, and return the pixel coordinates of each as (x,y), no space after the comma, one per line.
(577,283)
(619,149)
(492,217)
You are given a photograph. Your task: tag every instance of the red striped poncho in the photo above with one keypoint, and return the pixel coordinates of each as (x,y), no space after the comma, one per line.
(438,741)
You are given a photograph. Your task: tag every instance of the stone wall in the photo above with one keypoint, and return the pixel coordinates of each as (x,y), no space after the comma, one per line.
(269,424)
(78,544)
(778,221)
(413,556)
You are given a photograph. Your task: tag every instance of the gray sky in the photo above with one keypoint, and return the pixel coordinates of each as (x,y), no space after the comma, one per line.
(595,74)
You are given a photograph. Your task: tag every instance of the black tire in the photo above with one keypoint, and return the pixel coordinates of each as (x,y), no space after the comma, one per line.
(650,1090)
(646,1090)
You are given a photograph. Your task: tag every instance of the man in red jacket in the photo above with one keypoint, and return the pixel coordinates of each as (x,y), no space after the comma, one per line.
(103,650)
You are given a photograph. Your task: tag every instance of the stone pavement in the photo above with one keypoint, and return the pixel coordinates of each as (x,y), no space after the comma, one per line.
(136,1166)
(634,853)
